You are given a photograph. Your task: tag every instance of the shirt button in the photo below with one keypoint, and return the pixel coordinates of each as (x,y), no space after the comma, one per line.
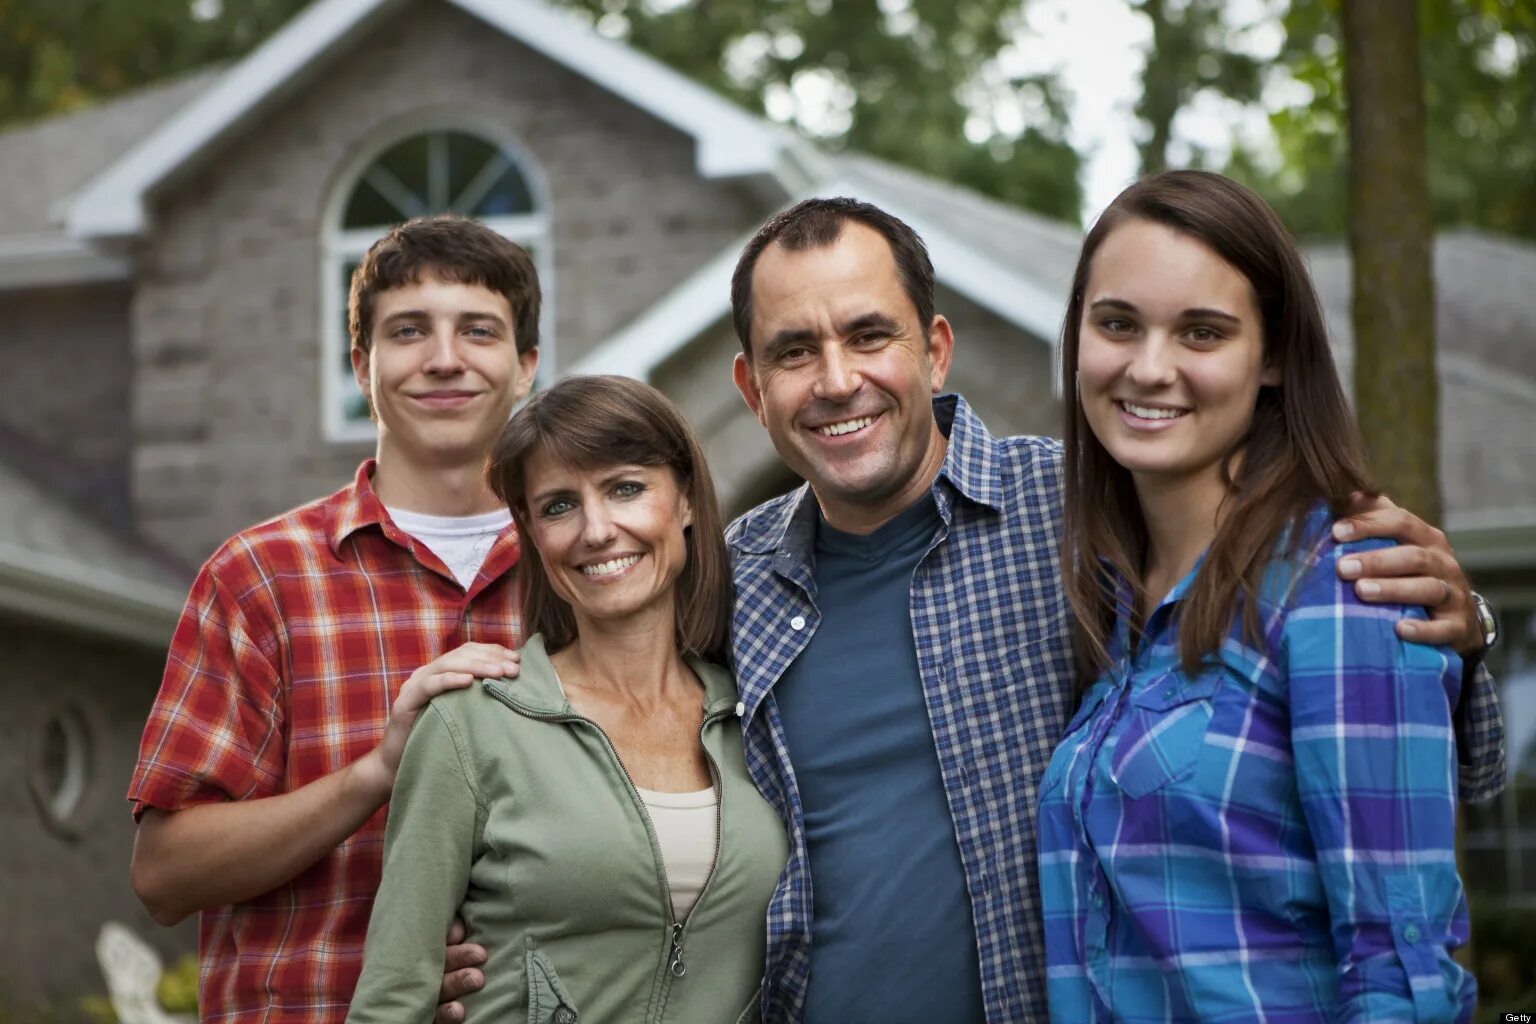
(564,1015)
(1098,902)
(1411,933)
(741,709)
(1169,693)
(798,622)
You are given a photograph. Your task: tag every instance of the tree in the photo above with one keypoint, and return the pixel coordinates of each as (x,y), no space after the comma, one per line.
(58,55)
(1478,59)
(1191,52)
(916,82)
(1391,241)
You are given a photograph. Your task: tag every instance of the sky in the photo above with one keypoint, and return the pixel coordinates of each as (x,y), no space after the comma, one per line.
(1098,47)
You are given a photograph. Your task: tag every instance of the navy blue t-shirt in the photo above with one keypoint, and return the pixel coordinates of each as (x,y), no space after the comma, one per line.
(892,937)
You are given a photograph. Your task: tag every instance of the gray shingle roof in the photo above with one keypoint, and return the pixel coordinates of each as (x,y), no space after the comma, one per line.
(43,162)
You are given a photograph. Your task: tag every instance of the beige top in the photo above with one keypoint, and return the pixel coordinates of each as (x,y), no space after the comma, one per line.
(685,829)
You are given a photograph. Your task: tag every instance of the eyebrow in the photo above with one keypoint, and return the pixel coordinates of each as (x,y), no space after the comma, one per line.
(799,335)
(422,314)
(1194,313)
(618,473)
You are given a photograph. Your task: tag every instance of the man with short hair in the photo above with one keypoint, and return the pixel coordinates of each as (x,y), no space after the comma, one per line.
(901,638)
(309,642)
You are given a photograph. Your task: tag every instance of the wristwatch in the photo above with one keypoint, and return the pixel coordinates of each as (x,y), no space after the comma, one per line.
(1486,621)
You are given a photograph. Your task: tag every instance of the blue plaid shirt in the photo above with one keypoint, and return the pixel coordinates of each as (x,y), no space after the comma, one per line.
(990,621)
(1270,839)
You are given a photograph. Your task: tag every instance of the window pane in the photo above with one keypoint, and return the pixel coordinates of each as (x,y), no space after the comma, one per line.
(366,208)
(508,195)
(467,156)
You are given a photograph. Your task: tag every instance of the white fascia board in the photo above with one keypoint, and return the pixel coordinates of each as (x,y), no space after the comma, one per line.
(731,142)
(44,261)
(113,204)
(704,298)
(59,591)
(667,326)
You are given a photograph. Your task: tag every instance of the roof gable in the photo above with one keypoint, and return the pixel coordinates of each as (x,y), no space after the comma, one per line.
(730,141)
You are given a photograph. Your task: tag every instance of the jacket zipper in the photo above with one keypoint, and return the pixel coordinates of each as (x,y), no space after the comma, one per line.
(675,966)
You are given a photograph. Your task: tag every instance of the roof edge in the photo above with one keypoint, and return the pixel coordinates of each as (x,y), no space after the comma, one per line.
(43,261)
(58,591)
(730,142)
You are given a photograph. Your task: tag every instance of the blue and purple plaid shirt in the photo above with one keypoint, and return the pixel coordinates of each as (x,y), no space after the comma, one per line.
(1272,839)
(989,619)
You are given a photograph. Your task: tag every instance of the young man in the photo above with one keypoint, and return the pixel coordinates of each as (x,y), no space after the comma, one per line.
(900,638)
(309,642)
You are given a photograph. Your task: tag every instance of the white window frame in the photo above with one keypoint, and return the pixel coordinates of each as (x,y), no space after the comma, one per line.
(339,246)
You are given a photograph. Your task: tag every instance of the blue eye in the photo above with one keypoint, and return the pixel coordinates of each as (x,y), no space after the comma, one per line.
(558,507)
(628,488)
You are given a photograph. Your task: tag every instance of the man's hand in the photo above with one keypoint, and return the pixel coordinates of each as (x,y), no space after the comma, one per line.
(461,975)
(452,671)
(1421,570)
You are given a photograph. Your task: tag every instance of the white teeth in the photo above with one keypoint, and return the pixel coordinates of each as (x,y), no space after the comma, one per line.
(1148,413)
(845,427)
(609,567)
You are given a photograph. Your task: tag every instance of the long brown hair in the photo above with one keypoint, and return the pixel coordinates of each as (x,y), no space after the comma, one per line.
(590,421)
(1303,445)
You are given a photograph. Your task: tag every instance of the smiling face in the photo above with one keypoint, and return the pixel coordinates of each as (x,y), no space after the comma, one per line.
(610,538)
(443,372)
(1170,355)
(842,374)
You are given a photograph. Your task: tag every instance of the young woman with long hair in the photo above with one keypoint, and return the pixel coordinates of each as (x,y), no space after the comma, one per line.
(1251,816)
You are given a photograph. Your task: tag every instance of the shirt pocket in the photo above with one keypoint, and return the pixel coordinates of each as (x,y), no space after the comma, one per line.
(1165,734)
(548,1000)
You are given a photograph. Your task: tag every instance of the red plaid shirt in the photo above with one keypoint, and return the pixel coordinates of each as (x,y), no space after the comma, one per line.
(295,639)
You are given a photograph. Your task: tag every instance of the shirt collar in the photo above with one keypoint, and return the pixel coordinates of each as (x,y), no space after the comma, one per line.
(537,687)
(970,469)
(360,507)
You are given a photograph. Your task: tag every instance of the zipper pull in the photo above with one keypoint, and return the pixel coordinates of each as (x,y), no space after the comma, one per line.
(677,967)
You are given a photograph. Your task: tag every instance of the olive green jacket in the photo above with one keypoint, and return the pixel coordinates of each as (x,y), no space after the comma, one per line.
(514,811)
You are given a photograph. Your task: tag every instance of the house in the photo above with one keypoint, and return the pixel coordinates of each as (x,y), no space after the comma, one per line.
(174,267)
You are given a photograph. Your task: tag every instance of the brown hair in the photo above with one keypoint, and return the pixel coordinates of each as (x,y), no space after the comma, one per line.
(1302,447)
(590,421)
(816,224)
(455,249)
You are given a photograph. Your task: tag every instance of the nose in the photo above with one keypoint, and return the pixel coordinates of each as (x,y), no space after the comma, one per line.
(443,356)
(1152,365)
(838,378)
(597,529)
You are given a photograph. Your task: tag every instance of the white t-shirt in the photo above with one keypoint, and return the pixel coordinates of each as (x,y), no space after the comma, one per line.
(462,542)
(685,829)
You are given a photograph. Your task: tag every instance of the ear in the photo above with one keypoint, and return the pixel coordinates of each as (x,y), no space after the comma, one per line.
(1269,377)
(361,370)
(685,509)
(746,383)
(941,350)
(527,367)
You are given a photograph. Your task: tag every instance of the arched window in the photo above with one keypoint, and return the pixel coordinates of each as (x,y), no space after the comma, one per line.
(439,170)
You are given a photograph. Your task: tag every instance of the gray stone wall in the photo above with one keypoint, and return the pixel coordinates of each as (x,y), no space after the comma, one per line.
(227,317)
(65,386)
(1005,374)
(64,880)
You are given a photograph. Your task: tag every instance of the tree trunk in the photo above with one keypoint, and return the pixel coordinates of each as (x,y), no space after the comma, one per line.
(1391,242)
